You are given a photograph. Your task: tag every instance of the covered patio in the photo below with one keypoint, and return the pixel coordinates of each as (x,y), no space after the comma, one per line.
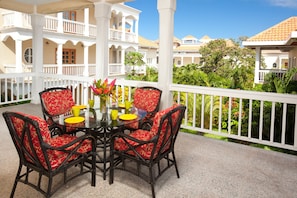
(208,168)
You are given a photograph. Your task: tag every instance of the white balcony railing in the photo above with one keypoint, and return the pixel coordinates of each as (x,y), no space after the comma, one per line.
(16,19)
(264,72)
(255,117)
(114,69)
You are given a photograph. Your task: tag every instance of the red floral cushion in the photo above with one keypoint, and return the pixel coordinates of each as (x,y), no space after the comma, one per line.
(132,125)
(143,150)
(58,102)
(146,99)
(146,150)
(55,157)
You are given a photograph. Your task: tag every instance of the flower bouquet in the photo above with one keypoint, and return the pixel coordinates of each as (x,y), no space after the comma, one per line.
(103,89)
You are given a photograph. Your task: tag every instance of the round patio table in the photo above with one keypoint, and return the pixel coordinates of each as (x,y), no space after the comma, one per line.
(100,126)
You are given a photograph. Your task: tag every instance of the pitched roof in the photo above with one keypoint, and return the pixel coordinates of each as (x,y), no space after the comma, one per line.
(188,48)
(205,37)
(189,36)
(147,43)
(279,32)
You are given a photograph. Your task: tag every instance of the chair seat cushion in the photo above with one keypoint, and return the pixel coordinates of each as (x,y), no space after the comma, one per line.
(144,150)
(57,157)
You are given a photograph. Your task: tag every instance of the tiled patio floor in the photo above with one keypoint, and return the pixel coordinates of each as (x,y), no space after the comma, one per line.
(208,169)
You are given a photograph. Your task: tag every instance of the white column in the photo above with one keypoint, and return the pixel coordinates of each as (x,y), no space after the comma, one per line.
(118,55)
(166,26)
(18,56)
(86,21)
(60,58)
(18,22)
(102,15)
(123,28)
(136,30)
(123,68)
(38,22)
(60,22)
(86,60)
(257,64)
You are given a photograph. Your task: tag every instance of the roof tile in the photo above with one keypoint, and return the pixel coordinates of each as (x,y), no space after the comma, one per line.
(278,32)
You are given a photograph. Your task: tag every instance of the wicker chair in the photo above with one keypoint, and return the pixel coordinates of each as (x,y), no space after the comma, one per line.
(146,99)
(55,102)
(39,152)
(148,148)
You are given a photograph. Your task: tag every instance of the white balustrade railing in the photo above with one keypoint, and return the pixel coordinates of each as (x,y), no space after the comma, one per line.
(51,23)
(115,34)
(16,19)
(73,27)
(15,87)
(255,117)
(264,72)
(259,117)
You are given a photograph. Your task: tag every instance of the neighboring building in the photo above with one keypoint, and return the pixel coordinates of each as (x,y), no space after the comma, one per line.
(277,46)
(149,49)
(187,52)
(69,40)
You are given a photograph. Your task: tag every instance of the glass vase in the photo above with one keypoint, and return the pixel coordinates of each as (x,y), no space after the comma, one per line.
(103,107)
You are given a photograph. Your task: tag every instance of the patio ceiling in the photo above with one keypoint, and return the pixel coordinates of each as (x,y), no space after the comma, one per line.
(50,6)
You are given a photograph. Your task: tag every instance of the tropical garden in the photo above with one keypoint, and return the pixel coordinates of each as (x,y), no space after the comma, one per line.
(231,67)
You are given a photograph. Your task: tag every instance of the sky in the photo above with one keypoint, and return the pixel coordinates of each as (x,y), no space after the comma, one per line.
(227,19)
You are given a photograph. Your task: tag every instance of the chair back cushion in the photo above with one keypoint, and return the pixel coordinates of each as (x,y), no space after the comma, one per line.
(29,137)
(147,99)
(58,102)
(163,129)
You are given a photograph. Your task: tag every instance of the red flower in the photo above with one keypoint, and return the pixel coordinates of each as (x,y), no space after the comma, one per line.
(103,89)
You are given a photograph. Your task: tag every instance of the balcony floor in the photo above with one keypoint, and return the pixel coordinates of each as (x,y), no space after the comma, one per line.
(208,169)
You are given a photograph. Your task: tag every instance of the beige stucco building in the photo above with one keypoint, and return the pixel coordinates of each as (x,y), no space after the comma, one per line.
(69,40)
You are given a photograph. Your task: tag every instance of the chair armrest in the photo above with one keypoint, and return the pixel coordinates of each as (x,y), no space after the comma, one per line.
(146,124)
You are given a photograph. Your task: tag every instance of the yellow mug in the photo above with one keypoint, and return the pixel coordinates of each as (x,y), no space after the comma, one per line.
(75,111)
(114,114)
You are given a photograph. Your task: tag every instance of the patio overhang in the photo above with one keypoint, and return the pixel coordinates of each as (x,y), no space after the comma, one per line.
(50,6)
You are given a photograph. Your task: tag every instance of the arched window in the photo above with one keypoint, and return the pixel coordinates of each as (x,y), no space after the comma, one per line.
(28,55)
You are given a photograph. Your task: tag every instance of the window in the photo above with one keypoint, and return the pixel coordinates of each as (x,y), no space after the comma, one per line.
(69,15)
(28,55)
(149,60)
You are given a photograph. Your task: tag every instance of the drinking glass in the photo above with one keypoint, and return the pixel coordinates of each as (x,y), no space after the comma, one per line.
(91,103)
(127,105)
(75,111)
(114,114)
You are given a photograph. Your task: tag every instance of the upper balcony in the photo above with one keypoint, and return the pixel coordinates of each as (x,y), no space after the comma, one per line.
(13,20)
